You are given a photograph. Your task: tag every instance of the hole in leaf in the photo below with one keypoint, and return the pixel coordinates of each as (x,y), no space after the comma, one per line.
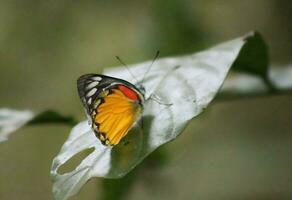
(73,162)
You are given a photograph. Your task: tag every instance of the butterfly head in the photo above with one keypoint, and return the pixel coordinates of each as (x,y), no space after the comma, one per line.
(141,88)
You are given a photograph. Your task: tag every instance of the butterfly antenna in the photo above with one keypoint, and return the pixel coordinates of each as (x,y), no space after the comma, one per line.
(156,56)
(127,67)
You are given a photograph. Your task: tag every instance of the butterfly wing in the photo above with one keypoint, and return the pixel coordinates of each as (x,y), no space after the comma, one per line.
(112,105)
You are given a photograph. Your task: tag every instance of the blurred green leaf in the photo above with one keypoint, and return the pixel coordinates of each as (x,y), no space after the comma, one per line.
(254,57)
(188,83)
(51,116)
(183,29)
(118,189)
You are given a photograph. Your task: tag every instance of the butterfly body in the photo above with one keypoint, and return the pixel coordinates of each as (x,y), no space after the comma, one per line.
(113,105)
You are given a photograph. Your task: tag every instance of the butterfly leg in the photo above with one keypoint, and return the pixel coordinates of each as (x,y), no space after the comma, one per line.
(156,98)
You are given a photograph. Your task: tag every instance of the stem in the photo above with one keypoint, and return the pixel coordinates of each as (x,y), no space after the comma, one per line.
(271,87)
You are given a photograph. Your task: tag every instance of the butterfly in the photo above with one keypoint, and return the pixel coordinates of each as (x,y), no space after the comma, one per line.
(113,105)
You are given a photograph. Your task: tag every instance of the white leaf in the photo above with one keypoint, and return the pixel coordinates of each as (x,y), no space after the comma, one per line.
(282,76)
(11,120)
(189,83)
(248,84)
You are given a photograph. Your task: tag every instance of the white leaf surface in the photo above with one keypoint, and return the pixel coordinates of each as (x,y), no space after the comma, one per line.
(248,84)
(11,120)
(281,76)
(188,83)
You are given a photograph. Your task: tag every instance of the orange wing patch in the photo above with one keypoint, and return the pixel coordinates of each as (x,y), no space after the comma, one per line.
(116,116)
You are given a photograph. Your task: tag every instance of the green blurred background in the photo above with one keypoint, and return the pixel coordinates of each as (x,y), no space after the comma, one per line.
(235,150)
